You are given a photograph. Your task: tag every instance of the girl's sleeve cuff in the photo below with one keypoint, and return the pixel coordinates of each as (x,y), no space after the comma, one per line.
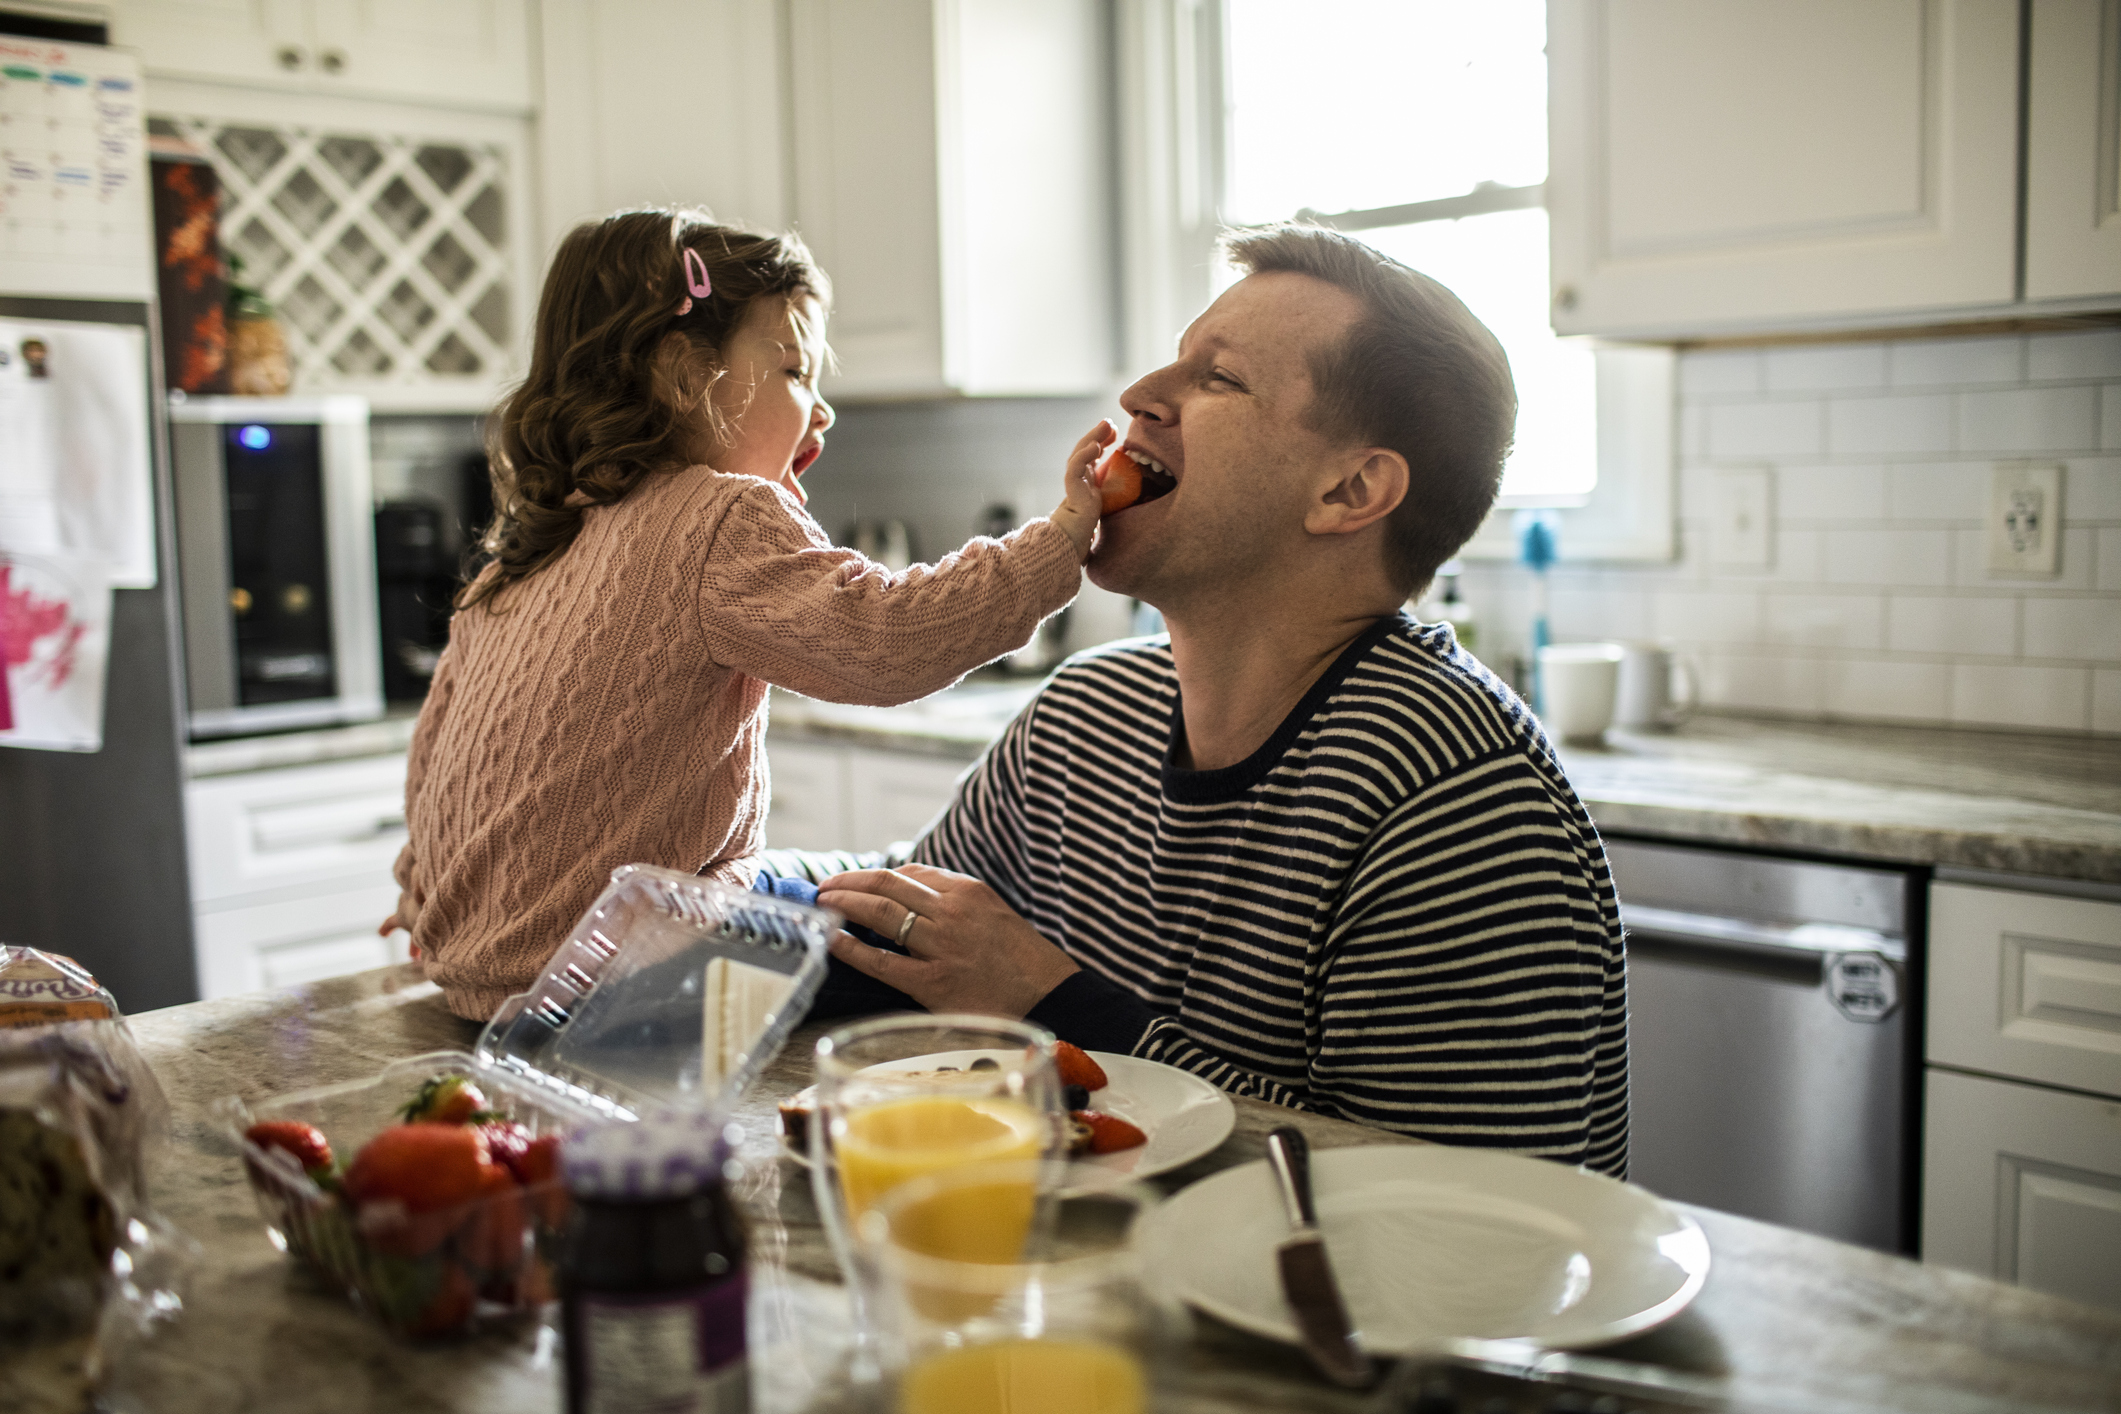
(1095,1013)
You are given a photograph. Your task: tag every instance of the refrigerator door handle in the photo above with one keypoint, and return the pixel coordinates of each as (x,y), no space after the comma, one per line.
(1794,940)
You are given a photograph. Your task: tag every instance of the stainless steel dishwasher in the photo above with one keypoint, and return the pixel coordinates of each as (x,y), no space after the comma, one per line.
(1768,1037)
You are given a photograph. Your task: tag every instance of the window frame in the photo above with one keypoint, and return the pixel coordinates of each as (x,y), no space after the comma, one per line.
(1173,170)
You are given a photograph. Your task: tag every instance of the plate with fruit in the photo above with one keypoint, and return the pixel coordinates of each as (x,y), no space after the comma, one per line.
(1136,1117)
(432,1194)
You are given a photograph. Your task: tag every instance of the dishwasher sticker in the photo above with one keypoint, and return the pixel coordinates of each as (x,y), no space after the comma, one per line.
(1863,986)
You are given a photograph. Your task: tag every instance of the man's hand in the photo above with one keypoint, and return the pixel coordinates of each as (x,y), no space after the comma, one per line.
(971,952)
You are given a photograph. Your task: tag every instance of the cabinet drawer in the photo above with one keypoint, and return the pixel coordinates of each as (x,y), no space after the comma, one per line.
(2026,985)
(809,803)
(2024,1185)
(267,830)
(298,940)
(893,797)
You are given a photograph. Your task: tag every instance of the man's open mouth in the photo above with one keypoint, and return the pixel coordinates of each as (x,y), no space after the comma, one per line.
(1156,481)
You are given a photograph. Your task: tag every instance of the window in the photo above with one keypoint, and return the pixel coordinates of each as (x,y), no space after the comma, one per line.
(1421,127)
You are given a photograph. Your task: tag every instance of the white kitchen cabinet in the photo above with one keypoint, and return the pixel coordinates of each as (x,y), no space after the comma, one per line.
(2026,986)
(1724,168)
(808,808)
(828,796)
(457,53)
(2023,1184)
(291,871)
(2073,150)
(662,102)
(950,170)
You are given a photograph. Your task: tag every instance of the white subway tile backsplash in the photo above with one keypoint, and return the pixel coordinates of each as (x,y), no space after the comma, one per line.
(1760,682)
(1720,371)
(1836,493)
(1879,603)
(2106,701)
(2095,353)
(1920,558)
(1970,563)
(1800,556)
(2073,628)
(1909,425)
(1985,628)
(2091,490)
(1884,689)
(1824,620)
(1933,491)
(1926,363)
(1712,617)
(1587,614)
(2020,696)
(1826,368)
(1782,429)
(2029,420)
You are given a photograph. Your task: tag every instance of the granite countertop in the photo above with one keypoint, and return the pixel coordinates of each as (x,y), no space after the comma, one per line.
(304,748)
(1996,801)
(1787,1321)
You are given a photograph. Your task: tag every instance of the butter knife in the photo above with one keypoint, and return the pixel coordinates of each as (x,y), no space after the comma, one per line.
(1306,1276)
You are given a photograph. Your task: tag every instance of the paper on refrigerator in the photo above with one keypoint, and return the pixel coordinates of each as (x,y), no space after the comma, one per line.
(75,459)
(54,641)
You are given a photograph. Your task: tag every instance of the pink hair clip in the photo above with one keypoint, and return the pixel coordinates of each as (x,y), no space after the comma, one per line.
(695,280)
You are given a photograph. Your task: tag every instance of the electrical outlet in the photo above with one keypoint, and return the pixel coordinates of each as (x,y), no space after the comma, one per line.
(1742,519)
(2025,521)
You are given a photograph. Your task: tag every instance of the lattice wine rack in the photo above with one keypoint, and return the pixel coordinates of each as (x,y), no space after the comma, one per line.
(386,254)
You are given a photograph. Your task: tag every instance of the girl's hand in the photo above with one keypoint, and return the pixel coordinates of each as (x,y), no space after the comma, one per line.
(1083,505)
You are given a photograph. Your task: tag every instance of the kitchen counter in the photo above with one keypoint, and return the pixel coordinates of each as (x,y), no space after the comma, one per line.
(1995,801)
(1787,1320)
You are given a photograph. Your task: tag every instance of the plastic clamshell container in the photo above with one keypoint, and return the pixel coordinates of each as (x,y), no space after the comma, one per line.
(671,993)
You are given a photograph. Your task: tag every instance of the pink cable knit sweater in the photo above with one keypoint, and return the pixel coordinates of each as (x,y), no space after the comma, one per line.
(611,708)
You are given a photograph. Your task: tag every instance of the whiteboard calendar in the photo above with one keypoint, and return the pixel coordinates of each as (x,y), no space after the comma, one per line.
(75,214)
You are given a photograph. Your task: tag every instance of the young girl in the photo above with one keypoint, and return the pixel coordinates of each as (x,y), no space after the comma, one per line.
(603,697)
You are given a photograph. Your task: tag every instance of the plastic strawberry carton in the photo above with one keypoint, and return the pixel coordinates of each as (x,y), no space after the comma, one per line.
(672,993)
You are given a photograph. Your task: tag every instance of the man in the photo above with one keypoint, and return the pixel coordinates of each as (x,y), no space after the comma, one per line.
(1306,849)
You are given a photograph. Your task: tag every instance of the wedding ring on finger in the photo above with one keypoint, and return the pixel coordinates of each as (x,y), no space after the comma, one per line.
(906,926)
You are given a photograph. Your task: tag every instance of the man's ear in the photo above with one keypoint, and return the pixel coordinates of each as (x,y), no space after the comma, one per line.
(1368,486)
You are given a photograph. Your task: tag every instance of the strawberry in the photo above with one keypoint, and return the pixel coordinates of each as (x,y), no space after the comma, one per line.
(1121,484)
(304,1141)
(451,1305)
(446,1099)
(404,1181)
(1076,1067)
(1106,1134)
(492,1235)
(538,1168)
(506,1141)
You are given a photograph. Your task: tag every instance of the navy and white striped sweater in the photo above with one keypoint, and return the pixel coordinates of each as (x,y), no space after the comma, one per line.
(1396,911)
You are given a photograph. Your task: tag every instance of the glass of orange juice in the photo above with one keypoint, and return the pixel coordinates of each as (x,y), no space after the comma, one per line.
(902,1096)
(1069,1325)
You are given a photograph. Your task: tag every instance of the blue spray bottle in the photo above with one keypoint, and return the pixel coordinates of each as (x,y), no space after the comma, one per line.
(1537,548)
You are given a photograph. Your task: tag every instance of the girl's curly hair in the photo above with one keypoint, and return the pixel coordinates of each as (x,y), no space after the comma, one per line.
(618,377)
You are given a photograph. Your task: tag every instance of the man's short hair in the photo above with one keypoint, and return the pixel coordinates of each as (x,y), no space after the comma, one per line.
(1417,373)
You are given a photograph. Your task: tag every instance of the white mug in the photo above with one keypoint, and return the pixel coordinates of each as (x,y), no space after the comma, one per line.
(1646,698)
(1578,684)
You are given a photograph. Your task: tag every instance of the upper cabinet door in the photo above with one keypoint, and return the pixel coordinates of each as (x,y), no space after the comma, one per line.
(1808,162)
(2073,144)
(454,53)
(439,53)
(951,171)
(263,42)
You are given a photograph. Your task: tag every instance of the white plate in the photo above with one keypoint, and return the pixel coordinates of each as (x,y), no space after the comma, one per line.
(1432,1243)
(1183,1115)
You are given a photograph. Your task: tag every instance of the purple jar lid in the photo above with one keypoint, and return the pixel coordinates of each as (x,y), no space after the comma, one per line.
(660,1156)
